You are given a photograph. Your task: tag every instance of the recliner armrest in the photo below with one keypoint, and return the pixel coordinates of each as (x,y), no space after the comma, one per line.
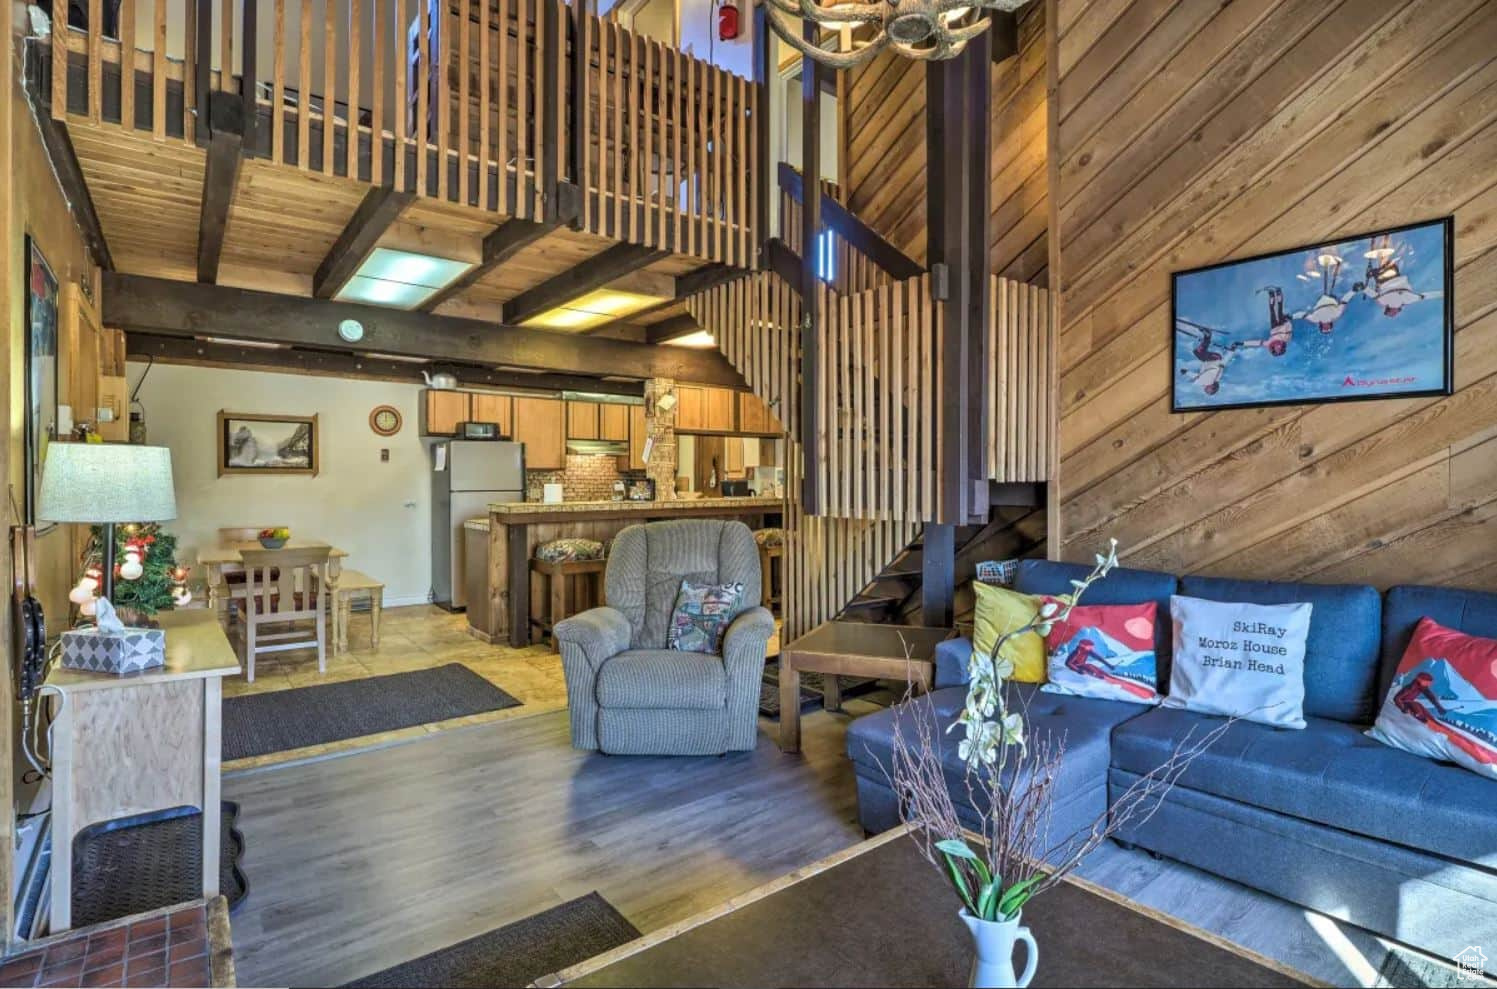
(748,634)
(601,633)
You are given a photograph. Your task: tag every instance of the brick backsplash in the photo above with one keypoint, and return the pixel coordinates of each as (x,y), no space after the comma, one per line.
(587,477)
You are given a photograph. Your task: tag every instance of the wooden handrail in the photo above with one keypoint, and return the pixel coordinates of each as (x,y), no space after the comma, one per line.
(836,217)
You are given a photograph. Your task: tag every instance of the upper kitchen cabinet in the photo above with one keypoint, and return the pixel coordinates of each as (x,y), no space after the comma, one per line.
(443,409)
(638,431)
(613,420)
(497,409)
(582,421)
(701,409)
(540,423)
(754,416)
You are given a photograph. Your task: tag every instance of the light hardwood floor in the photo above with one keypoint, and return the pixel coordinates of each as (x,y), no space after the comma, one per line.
(359,862)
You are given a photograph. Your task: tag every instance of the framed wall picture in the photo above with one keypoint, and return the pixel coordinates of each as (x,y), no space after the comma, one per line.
(41,370)
(1355,318)
(252,443)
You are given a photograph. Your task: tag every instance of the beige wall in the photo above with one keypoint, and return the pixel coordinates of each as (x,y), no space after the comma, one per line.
(379,512)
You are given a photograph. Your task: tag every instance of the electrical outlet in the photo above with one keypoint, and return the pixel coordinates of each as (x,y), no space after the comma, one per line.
(384,455)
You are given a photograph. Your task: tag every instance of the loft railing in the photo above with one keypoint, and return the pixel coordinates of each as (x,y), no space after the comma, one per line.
(496,104)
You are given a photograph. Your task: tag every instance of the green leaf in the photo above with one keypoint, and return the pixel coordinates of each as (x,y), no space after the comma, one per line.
(960,883)
(957,848)
(1016,896)
(986,901)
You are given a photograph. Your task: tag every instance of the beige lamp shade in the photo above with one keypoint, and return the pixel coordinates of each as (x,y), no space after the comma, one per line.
(106,482)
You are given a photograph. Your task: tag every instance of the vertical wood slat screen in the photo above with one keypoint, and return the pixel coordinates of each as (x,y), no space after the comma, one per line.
(852,270)
(1022,411)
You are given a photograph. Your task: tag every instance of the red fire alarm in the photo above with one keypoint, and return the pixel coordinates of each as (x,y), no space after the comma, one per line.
(727,20)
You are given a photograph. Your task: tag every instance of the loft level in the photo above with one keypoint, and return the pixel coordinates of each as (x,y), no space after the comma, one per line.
(550,115)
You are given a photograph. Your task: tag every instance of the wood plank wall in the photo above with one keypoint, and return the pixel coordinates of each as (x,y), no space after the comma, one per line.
(1190,133)
(885,166)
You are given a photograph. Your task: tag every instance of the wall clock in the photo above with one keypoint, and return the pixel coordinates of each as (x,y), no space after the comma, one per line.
(385,420)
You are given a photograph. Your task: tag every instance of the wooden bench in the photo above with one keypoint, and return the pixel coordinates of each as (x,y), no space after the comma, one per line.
(563,578)
(353,584)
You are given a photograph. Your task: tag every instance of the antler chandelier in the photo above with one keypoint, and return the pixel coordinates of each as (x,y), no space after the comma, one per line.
(922,29)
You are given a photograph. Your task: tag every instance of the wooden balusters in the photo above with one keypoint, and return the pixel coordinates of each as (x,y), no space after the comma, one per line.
(401,109)
(355,56)
(304,89)
(1021,344)
(127,63)
(278,83)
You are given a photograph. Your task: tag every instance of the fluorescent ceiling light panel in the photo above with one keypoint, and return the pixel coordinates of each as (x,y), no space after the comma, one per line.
(401,279)
(701,339)
(594,309)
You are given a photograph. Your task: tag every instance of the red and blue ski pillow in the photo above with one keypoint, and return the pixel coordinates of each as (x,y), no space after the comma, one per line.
(1443,701)
(1105,651)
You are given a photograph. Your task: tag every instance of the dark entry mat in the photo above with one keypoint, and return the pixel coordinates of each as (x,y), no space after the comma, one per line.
(812,690)
(258,724)
(137,864)
(519,953)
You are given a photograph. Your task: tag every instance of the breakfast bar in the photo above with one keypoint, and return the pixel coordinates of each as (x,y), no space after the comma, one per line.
(516,529)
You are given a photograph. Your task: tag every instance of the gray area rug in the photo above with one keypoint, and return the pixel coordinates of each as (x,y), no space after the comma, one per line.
(258,724)
(519,953)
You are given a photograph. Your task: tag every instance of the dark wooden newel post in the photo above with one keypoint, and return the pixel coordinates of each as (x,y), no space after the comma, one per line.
(810,228)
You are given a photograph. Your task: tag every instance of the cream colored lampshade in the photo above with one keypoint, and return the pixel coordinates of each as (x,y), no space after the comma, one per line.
(106,482)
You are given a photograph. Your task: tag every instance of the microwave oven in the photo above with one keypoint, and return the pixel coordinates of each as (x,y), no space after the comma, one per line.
(479,431)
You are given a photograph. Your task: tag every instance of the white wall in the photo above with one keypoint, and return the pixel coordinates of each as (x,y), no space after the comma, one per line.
(379,512)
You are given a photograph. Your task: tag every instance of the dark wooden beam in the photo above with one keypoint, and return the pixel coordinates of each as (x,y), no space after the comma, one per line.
(764,71)
(1003,29)
(249,34)
(336,364)
(784,262)
(381,207)
(59,148)
(138,304)
(552,34)
(203,70)
(597,271)
(220,177)
(811,495)
(937,575)
(853,230)
(672,329)
(706,277)
(508,240)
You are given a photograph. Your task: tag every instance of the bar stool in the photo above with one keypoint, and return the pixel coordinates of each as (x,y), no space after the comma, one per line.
(572,585)
(771,543)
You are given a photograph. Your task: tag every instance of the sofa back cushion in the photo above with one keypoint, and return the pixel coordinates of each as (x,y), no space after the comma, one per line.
(1472,612)
(1342,652)
(648,562)
(1122,586)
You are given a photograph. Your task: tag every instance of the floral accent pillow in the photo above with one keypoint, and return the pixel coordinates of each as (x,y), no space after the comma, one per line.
(567,550)
(1106,651)
(1443,701)
(701,616)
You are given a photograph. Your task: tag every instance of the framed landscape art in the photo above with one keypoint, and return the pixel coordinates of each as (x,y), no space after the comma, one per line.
(251,443)
(41,369)
(1355,318)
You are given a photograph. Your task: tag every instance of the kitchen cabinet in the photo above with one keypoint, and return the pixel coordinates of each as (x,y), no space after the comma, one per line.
(540,423)
(613,421)
(733,456)
(721,405)
(442,410)
(498,409)
(754,417)
(637,433)
(582,420)
(700,409)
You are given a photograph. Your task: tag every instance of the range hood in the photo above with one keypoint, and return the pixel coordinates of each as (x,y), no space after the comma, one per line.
(612,448)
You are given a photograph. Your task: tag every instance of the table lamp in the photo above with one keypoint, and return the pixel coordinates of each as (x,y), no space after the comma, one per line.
(106,483)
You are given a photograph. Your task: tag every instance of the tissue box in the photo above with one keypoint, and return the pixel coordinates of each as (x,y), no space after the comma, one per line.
(129,651)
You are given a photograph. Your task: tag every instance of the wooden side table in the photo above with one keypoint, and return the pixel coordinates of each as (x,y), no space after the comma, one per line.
(124,746)
(857,649)
(353,584)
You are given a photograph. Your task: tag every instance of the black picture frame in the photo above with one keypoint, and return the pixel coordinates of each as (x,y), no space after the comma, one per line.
(41,292)
(1446,387)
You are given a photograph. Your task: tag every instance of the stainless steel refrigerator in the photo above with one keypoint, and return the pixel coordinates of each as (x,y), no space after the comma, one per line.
(466,477)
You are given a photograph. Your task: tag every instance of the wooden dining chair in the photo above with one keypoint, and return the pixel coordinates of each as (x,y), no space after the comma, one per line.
(233,576)
(284,587)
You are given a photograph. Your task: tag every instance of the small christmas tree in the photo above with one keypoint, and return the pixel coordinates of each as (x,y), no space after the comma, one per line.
(146,576)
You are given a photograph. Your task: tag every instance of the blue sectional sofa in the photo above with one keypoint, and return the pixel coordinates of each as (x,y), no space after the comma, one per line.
(1324,816)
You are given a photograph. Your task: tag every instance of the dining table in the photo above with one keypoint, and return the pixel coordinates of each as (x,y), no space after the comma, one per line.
(226,557)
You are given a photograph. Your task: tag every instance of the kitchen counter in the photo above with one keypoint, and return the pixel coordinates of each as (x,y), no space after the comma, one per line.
(509,596)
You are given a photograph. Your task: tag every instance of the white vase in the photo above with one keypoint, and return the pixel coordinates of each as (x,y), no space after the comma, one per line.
(993,965)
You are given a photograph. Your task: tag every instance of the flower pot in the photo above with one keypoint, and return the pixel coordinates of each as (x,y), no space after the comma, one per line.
(994,940)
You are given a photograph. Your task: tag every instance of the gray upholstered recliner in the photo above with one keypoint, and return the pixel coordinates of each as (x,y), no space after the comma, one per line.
(630,695)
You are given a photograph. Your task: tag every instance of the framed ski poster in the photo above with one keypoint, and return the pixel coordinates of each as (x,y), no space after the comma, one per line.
(1356,318)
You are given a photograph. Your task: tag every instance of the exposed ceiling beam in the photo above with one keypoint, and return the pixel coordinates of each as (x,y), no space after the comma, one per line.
(65,162)
(381,207)
(850,228)
(693,282)
(784,262)
(327,363)
(671,329)
(220,176)
(508,240)
(138,304)
(594,273)
(1003,28)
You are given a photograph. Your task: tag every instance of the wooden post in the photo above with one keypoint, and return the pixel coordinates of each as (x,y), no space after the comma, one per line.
(248,77)
(549,30)
(577,107)
(203,70)
(810,225)
(765,190)
(938,575)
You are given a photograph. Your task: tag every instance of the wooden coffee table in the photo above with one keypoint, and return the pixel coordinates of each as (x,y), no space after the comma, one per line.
(859,649)
(878,914)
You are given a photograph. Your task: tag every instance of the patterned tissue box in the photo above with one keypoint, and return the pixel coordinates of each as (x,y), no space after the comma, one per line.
(130,650)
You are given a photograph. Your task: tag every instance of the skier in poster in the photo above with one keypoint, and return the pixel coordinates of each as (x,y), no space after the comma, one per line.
(1328,308)
(1280,324)
(1386,283)
(1213,361)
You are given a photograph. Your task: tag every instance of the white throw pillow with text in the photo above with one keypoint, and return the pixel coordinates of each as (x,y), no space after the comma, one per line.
(1238,659)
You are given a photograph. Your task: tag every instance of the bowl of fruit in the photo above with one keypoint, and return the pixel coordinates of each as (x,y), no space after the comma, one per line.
(274,538)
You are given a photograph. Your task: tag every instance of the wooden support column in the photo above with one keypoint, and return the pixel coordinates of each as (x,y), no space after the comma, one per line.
(938,576)
(810,229)
(764,164)
(220,177)
(552,37)
(249,35)
(957,209)
(202,80)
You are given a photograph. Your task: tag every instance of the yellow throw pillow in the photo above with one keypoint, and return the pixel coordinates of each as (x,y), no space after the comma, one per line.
(1000,611)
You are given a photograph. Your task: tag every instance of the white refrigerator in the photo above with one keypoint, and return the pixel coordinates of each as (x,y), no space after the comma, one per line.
(466,477)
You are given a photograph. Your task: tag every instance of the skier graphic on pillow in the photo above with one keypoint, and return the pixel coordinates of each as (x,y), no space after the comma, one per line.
(1084,656)
(1441,701)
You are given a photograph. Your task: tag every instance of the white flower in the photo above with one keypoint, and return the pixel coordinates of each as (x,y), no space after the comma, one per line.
(1049,609)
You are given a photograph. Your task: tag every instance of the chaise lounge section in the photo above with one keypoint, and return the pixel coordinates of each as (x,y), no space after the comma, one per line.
(1324,816)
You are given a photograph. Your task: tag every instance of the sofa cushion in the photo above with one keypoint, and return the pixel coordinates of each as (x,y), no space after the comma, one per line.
(1082,724)
(1472,612)
(1341,654)
(1122,586)
(663,678)
(1329,773)
(951,662)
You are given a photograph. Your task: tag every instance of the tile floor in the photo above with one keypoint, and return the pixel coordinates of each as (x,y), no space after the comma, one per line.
(166,950)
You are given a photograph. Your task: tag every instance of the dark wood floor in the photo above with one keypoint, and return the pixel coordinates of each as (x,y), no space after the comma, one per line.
(363,861)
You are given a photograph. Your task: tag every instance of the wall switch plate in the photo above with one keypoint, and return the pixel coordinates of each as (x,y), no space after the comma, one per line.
(384,455)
